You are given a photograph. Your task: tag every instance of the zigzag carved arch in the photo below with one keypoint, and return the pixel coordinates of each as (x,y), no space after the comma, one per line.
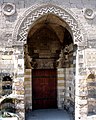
(31,15)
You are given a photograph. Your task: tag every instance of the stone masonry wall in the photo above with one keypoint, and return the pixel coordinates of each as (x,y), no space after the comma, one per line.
(83,10)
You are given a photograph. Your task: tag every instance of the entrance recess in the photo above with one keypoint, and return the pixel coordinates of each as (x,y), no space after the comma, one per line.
(64,26)
(49,54)
(44,84)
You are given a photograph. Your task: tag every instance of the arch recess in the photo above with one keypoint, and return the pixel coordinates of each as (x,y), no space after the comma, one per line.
(31,15)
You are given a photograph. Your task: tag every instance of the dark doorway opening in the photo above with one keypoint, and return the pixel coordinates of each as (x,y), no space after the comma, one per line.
(44,88)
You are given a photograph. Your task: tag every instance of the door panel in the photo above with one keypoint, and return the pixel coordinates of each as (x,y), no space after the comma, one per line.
(44,88)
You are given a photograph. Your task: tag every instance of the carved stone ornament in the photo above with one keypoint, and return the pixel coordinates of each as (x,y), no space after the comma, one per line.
(30,16)
(8,9)
(89,13)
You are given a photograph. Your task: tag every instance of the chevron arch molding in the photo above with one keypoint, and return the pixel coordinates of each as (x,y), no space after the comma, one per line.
(25,22)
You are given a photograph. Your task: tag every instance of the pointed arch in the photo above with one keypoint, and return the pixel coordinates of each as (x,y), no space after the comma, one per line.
(31,15)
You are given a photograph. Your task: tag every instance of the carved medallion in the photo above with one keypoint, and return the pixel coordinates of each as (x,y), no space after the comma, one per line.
(89,13)
(8,9)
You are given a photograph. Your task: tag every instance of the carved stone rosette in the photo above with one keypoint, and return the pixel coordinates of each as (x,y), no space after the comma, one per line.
(89,13)
(8,9)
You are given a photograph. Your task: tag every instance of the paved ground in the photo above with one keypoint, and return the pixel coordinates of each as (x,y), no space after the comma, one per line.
(91,117)
(48,114)
(13,118)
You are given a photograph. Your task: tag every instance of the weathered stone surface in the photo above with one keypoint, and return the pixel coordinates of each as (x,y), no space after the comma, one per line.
(17,18)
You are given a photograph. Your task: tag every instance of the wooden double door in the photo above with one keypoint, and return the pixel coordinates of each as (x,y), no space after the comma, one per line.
(44,88)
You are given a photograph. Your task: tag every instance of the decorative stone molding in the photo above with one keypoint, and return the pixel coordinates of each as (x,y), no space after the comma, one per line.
(8,9)
(89,13)
(30,16)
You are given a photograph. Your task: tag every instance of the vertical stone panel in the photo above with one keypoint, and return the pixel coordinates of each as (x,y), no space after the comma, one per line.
(28,88)
(70,88)
(81,105)
(60,87)
(19,81)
